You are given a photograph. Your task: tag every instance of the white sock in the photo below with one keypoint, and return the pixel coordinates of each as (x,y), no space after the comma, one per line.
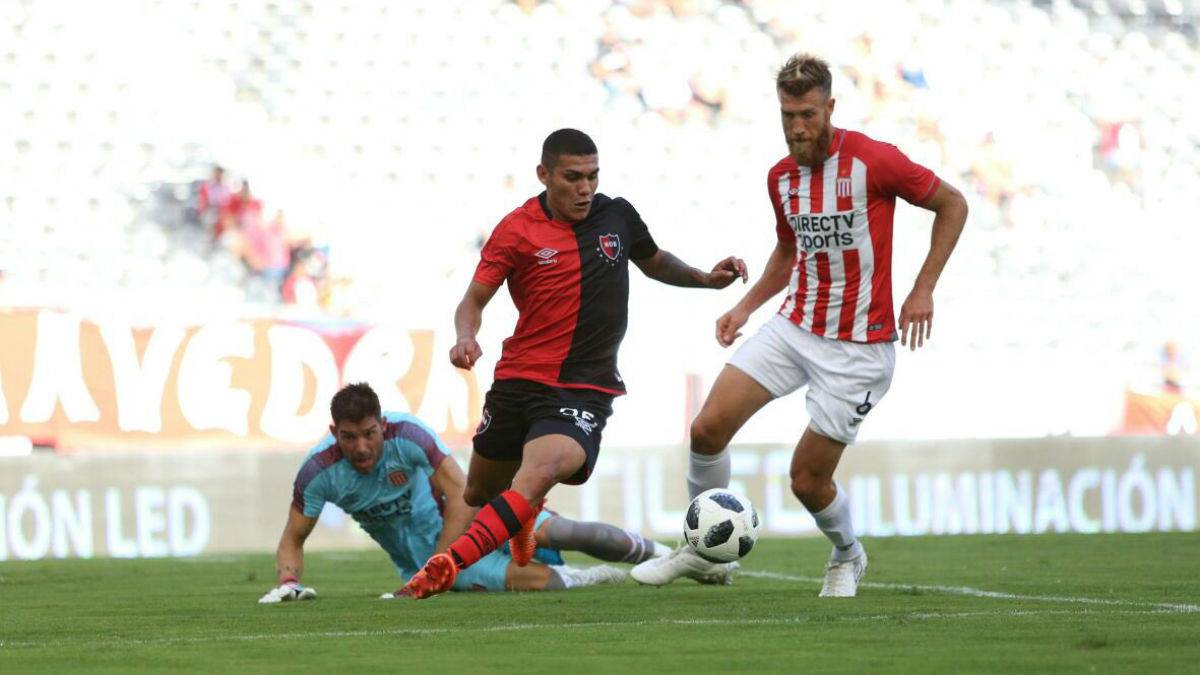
(834,521)
(706,472)
(565,578)
(574,577)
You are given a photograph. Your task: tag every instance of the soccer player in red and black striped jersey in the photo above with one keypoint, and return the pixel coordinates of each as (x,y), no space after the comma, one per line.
(565,255)
(834,195)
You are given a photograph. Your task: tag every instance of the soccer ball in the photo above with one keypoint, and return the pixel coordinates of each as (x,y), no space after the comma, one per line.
(720,526)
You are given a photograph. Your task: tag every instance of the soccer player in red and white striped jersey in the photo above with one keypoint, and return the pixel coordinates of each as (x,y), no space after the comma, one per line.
(834,196)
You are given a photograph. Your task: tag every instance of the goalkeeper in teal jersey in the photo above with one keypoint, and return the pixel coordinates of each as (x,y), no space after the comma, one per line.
(396,478)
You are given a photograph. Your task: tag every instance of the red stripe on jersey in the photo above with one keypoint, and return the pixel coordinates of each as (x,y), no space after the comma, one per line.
(853,270)
(793,208)
(801,287)
(816,190)
(824,281)
(880,316)
(793,196)
(546,316)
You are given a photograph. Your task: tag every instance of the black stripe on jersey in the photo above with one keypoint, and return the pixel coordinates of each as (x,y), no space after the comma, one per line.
(603,295)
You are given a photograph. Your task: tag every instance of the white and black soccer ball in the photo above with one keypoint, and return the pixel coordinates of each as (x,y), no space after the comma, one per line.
(721,526)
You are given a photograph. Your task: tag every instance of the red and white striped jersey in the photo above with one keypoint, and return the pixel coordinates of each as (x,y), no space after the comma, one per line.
(840,216)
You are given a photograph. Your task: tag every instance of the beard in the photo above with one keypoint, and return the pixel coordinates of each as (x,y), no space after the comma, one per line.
(811,153)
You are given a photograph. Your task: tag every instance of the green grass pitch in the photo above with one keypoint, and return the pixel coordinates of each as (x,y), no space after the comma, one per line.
(1066,603)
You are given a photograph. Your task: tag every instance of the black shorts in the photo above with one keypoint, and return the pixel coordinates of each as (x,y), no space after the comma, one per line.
(518,411)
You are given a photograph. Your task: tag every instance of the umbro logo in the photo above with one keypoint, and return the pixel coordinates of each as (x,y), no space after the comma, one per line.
(547,256)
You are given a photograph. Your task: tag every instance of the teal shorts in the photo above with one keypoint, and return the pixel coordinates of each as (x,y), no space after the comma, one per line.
(488,574)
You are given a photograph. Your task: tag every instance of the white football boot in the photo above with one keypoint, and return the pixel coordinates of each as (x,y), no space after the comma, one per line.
(660,551)
(842,576)
(591,576)
(682,562)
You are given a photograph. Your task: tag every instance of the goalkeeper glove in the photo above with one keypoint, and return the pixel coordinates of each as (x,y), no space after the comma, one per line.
(287,591)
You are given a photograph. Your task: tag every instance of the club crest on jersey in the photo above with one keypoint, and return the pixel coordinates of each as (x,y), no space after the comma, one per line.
(610,246)
(397,477)
(844,188)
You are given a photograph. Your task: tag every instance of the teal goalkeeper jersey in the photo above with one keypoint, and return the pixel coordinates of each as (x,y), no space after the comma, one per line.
(396,503)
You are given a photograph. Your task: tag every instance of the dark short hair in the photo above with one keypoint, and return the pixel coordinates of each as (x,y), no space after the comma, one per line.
(355,403)
(802,73)
(566,142)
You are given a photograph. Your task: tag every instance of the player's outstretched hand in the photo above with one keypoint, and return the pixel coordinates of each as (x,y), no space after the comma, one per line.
(726,271)
(465,353)
(729,324)
(287,592)
(916,319)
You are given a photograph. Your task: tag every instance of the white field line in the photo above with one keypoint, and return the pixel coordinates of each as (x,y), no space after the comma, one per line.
(1182,608)
(425,632)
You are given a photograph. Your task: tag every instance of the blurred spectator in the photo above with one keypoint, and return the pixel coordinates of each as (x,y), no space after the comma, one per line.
(266,249)
(302,287)
(992,172)
(211,198)
(528,6)
(1174,369)
(241,210)
(1119,150)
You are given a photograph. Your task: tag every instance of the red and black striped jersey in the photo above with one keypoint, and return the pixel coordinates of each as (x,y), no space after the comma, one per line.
(570,284)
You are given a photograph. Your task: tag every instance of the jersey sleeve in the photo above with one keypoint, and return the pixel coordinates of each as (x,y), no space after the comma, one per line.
(643,245)
(421,445)
(496,260)
(783,231)
(899,176)
(310,499)
(309,493)
(312,487)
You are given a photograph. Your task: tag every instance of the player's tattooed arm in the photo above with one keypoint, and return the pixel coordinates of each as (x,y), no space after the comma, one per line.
(665,267)
(289,556)
(916,314)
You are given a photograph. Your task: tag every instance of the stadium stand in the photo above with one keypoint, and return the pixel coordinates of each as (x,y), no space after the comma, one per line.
(371,122)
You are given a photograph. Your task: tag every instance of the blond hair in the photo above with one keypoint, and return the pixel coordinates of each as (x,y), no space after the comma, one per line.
(802,73)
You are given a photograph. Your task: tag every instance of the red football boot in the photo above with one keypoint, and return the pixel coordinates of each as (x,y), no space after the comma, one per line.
(523,545)
(437,576)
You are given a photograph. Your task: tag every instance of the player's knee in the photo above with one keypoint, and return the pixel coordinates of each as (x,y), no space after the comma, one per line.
(810,487)
(542,477)
(476,496)
(708,436)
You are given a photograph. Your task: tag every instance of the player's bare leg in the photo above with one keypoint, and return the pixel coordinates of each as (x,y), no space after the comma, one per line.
(546,461)
(529,578)
(735,397)
(487,478)
(813,464)
(733,400)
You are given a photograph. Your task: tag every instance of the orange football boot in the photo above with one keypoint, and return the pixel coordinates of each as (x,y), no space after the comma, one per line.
(437,576)
(523,545)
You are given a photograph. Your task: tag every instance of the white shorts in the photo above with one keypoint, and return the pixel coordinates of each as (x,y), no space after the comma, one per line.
(845,379)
